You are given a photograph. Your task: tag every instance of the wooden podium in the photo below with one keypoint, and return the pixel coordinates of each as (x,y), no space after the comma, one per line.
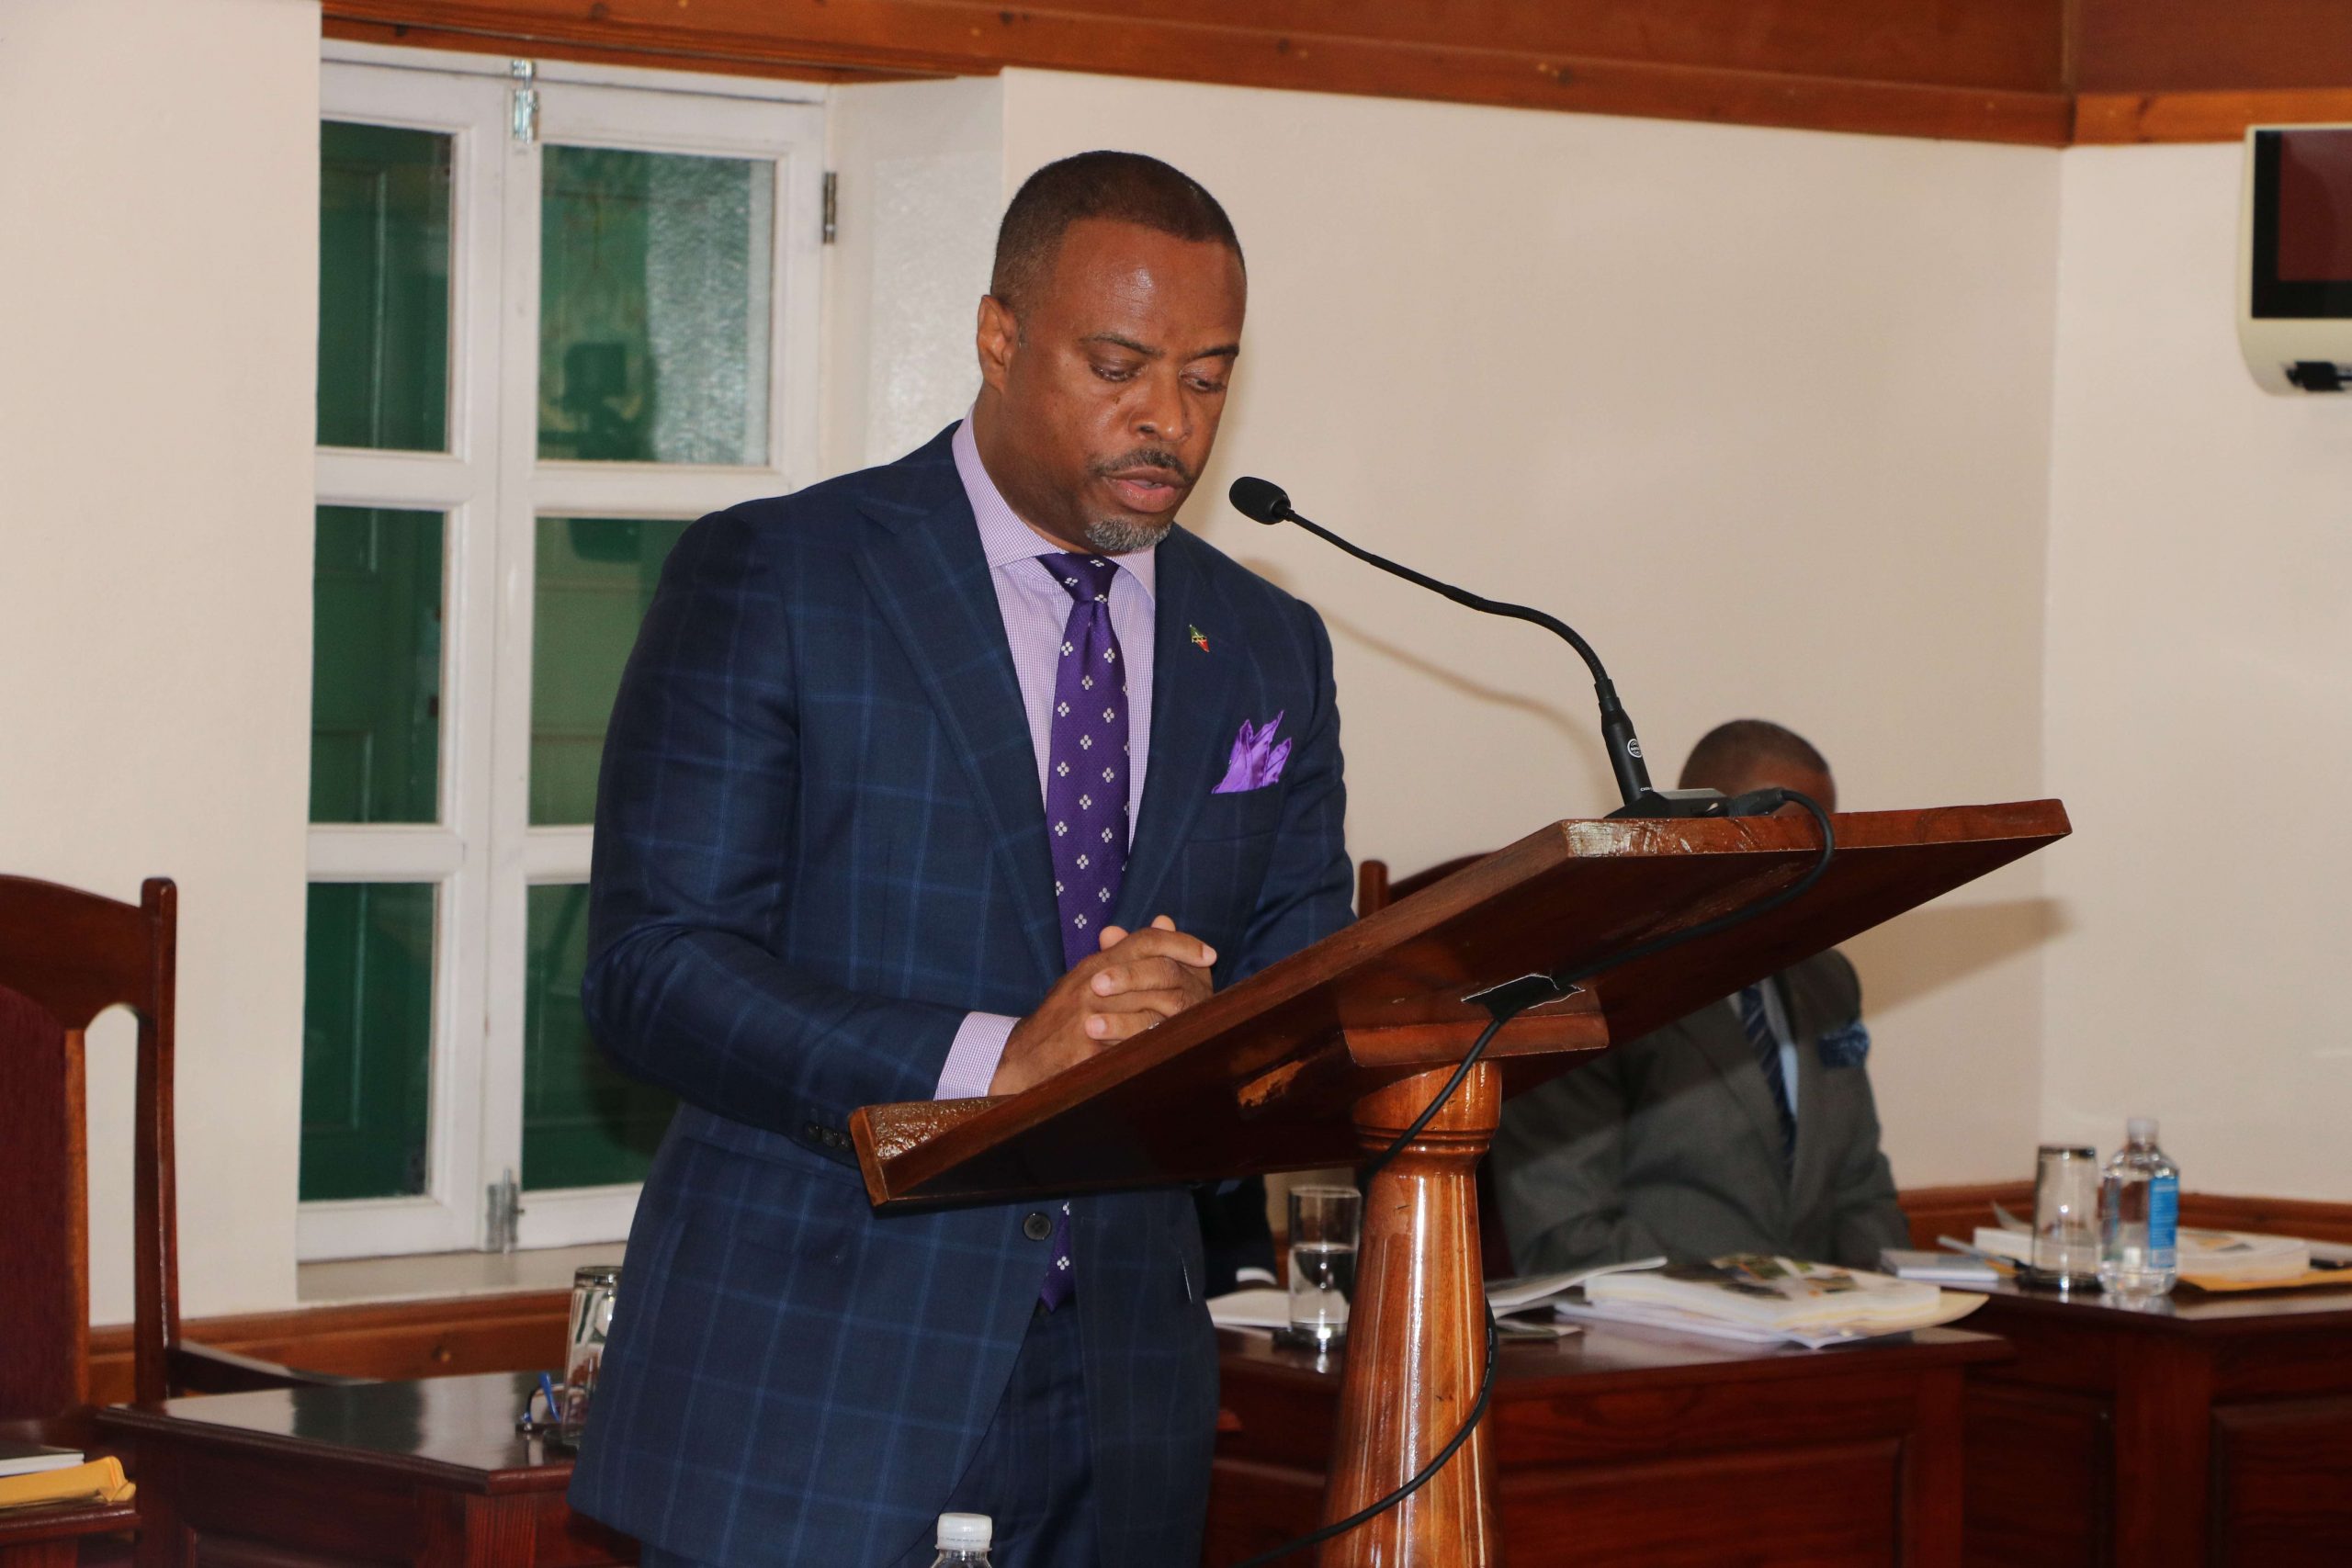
(1323,1058)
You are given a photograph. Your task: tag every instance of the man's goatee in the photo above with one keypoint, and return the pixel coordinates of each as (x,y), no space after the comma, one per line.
(1117,535)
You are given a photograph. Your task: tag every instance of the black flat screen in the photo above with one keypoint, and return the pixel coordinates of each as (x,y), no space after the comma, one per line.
(2302,223)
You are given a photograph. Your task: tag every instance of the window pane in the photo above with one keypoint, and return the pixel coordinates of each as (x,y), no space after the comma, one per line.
(654,283)
(596,575)
(585,1124)
(366,1039)
(376,666)
(383,288)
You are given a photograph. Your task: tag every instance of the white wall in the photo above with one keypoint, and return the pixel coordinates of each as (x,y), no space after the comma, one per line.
(1768,413)
(2199,701)
(1764,414)
(922,167)
(158,274)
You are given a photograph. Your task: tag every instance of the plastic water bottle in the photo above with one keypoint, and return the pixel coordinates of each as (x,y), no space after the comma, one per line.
(2139,1217)
(964,1541)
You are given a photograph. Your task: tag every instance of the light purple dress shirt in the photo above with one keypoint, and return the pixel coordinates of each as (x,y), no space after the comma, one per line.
(1036,608)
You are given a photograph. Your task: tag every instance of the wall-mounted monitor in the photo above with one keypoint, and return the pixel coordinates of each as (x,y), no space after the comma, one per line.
(2295,258)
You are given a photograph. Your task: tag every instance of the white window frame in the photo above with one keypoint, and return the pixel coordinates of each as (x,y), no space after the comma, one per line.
(484,855)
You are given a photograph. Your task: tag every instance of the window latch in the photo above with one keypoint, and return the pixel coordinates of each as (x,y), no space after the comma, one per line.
(506,1220)
(524,124)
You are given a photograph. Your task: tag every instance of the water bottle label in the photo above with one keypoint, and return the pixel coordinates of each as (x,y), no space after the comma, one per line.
(2163,1219)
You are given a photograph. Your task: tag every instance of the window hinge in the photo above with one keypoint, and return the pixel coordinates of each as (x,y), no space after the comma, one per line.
(524,124)
(831,226)
(505,1214)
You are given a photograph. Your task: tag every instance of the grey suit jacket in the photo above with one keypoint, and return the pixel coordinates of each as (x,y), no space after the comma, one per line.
(1670,1144)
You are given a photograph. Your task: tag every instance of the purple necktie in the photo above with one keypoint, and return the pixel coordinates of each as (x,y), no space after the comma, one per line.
(1086,794)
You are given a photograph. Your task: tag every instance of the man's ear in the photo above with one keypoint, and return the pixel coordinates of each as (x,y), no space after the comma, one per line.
(999,339)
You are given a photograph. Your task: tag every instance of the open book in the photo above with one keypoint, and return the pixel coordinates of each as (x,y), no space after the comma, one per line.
(1758,1299)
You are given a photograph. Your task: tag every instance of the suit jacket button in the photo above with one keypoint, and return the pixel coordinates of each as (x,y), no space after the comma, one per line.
(1036,1227)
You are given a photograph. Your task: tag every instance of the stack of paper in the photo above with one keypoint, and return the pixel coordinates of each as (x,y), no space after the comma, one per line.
(2235,1257)
(2241,1257)
(1760,1300)
(1258,1308)
(2003,1242)
(30,1459)
(1938,1268)
(1537,1291)
(38,1476)
(1271,1309)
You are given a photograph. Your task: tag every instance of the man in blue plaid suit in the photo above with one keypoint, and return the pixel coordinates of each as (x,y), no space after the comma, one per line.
(843,857)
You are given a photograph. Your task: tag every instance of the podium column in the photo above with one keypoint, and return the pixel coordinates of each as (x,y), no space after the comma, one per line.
(1417,1337)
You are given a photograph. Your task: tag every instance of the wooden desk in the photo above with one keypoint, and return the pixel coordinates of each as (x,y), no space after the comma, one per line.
(2205,1429)
(52,1537)
(431,1471)
(1618,1445)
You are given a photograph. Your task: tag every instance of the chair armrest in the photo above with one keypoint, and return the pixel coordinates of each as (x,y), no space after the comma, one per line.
(203,1369)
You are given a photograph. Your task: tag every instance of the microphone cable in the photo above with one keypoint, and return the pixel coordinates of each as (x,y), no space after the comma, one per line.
(1561,982)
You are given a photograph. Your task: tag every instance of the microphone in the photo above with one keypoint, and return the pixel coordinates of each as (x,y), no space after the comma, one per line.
(1265,501)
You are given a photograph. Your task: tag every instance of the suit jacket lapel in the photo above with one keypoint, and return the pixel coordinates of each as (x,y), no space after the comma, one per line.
(926,571)
(1191,707)
(1814,1142)
(1718,1029)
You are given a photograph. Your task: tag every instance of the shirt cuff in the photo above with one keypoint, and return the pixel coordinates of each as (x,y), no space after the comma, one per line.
(973,1055)
(1253,1276)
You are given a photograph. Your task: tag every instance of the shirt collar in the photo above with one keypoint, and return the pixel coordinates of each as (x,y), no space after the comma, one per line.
(1004,537)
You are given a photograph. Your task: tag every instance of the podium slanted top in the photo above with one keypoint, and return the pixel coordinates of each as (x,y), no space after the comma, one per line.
(1261,1075)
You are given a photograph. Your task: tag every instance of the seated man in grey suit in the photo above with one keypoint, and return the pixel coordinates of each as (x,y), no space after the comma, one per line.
(1745,1127)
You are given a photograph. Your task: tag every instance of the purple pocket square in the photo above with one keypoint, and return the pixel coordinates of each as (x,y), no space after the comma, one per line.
(1257,761)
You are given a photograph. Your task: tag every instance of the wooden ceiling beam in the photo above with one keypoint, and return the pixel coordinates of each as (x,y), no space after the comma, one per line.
(1787,63)
(2037,72)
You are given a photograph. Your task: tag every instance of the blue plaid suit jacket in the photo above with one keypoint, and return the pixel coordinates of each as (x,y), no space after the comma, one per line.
(820,842)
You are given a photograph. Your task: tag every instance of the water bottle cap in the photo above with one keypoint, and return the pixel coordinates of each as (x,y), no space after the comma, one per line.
(2140,1129)
(965,1532)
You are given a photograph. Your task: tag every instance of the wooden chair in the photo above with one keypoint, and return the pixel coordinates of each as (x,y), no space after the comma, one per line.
(1376,892)
(66,956)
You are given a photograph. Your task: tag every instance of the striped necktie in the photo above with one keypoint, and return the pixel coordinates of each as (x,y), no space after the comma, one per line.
(1767,1046)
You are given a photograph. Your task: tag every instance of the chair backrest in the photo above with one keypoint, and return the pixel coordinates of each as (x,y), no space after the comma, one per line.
(1375,891)
(66,956)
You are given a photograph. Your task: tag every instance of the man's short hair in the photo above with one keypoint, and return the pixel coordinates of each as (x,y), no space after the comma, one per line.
(1125,188)
(1733,751)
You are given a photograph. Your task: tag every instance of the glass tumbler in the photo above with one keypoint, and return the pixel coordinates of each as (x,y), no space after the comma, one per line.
(592,1319)
(1322,1263)
(2065,1215)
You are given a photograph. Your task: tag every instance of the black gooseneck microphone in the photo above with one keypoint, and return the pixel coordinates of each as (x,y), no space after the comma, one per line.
(1265,501)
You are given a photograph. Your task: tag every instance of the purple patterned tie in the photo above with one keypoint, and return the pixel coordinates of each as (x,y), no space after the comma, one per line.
(1086,794)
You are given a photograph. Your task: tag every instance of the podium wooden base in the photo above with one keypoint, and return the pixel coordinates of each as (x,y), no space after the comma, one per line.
(1417,1337)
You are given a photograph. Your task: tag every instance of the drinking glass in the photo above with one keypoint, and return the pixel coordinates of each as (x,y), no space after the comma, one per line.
(592,1319)
(2065,1215)
(1322,1262)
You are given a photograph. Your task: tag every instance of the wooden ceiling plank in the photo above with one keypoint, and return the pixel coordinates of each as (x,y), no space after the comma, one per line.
(938,37)
(2116,118)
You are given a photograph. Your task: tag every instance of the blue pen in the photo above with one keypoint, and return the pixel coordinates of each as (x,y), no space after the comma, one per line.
(547,1386)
